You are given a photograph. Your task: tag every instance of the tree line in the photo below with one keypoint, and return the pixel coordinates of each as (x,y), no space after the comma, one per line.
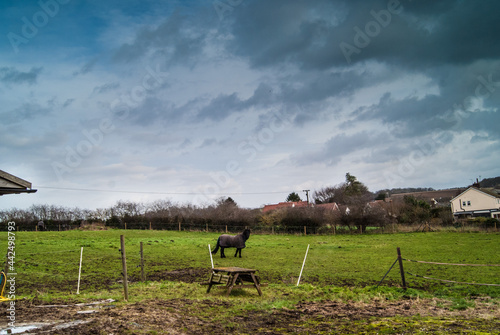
(352,207)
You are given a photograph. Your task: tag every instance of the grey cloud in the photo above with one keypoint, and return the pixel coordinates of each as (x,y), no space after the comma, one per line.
(338,146)
(220,107)
(483,121)
(106,87)
(68,102)
(449,109)
(178,40)
(302,90)
(11,75)
(207,143)
(153,109)
(27,111)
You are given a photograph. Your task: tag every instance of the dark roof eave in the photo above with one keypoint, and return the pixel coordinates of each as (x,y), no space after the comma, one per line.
(5,191)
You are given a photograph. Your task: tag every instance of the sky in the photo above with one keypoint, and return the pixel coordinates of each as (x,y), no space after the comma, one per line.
(192,100)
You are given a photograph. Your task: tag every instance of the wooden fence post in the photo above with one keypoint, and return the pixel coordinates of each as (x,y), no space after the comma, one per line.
(400,260)
(149,225)
(124,267)
(305,230)
(179,226)
(143,277)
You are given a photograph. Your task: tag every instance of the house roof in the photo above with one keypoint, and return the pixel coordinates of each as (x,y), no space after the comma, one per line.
(10,184)
(287,204)
(482,190)
(331,205)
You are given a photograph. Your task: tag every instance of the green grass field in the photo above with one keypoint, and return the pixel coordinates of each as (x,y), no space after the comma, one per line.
(338,284)
(47,262)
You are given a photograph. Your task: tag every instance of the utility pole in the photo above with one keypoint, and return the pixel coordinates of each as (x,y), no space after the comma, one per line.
(307,195)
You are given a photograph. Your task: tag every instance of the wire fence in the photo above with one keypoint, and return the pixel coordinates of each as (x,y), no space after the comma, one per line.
(403,272)
(236,227)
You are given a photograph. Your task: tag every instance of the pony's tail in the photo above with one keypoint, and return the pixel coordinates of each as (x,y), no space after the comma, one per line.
(216,247)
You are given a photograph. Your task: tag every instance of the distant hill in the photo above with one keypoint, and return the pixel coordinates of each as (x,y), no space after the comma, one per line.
(490,182)
(429,191)
(406,190)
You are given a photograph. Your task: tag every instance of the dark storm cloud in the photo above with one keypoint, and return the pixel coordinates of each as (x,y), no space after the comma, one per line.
(303,90)
(225,104)
(10,75)
(417,33)
(410,116)
(453,108)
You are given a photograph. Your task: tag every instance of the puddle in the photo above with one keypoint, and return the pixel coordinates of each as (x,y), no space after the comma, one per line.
(21,328)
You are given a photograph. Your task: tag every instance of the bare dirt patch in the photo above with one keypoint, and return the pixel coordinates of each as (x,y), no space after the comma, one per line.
(178,316)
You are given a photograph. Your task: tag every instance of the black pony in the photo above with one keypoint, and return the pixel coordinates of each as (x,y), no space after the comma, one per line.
(229,241)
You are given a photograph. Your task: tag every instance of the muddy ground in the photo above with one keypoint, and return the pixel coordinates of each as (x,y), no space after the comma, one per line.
(182,316)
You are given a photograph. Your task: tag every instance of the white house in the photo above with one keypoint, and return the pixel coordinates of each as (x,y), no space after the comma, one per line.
(475,202)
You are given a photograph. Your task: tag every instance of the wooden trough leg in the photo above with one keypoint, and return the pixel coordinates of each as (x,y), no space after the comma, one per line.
(231,284)
(210,282)
(256,284)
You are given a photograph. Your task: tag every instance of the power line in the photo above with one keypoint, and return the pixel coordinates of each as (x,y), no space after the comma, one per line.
(153,192)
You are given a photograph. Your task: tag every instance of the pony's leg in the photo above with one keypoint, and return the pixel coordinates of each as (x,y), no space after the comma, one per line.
(236,253)
(222,252)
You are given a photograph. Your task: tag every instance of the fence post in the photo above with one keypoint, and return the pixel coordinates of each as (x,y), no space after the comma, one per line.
(226,229)
(400,259)
(149,225)
(305,230)
(79,272)
(143,277)
(179,226)
(124,267)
